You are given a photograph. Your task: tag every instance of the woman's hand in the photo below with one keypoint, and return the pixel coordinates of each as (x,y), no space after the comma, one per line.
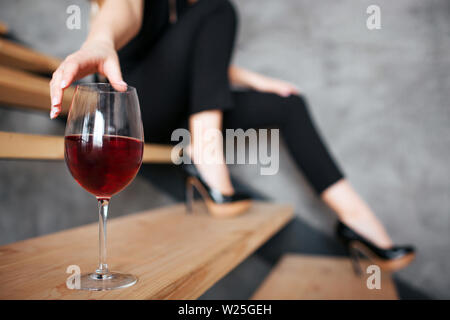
(280,87)
(242,77)
(94,56)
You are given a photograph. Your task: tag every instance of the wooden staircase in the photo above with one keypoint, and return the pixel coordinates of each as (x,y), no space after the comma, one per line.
(15,145)
(174,255)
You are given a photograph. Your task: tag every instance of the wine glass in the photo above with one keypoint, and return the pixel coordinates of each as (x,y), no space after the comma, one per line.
(104,144)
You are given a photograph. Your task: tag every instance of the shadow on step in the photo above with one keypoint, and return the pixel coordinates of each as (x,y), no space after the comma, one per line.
(296,237)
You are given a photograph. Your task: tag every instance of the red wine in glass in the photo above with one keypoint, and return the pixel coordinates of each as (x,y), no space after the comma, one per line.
(104,143)
(103,166)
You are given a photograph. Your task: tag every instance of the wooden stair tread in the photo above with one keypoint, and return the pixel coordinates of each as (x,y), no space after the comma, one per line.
(3,28)
(298,277)
(23,89)
(45,147)
(175,255)
(21,57)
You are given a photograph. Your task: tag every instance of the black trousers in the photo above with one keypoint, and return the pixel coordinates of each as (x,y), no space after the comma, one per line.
(186,71)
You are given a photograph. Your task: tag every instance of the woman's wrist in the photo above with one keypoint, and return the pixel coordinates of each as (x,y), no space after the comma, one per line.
(253,80)
(257,81)
(243,77)
(102,39)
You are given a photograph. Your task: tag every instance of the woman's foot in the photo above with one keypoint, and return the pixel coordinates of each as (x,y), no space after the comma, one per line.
(216,175)
(206,150)
(209,174)
(389,259)
(370,227)
(355,213)
(218,204)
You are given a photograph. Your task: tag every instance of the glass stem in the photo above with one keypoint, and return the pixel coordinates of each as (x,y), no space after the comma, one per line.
(102,216)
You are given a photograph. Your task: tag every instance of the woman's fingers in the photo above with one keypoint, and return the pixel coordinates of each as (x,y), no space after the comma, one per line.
(62,78)
(56,93)
(285,89)
(78,65)
(111,70)
(280,87)
(70,72)
(294,89)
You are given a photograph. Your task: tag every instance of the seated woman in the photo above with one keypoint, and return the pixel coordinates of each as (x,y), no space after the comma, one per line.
(177,55)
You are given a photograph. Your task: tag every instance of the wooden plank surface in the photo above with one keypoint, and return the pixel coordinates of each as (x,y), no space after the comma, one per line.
(17,56)
(41,147)
(3,28)
(20,88)
(29,146)
(300,277)
(175,255)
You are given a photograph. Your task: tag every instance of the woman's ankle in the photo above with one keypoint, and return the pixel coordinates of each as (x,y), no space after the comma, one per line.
(215,172)
(368,226)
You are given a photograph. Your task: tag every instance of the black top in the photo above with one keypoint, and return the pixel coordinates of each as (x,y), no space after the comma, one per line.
(155,22)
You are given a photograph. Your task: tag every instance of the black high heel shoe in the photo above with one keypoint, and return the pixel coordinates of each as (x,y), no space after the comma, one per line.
(218,204)
(391,259)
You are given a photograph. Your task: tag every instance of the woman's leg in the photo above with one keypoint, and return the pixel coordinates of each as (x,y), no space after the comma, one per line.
(166,74)
(215,172)
(354,212)
(256,110)
(185,75)
(210,94)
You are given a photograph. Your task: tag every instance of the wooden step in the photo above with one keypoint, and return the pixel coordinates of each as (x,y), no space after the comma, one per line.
(298,277)
(44,147)
(17,56)
(26,90)
(3,28)
(175,255)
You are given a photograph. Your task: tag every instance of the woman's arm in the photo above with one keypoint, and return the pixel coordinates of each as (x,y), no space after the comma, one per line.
(117,22)
(245,78)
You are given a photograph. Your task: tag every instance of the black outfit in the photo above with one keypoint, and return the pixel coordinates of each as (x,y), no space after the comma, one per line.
(182,68)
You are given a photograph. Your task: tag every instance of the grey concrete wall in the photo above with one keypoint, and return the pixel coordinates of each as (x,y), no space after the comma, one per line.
(381,100)
(379,97)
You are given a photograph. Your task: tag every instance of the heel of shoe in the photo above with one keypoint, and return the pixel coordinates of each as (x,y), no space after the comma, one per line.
(189,193)
(355,259)
(354,255)
(388,259)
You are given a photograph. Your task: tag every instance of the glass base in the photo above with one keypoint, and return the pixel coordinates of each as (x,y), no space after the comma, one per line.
(109,281)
